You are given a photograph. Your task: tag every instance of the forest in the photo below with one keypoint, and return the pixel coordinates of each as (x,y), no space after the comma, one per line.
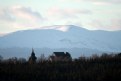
(106,67)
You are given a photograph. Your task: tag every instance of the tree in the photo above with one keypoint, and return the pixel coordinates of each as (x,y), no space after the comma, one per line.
(22,60)
(13,60)
(95,56)
(42,58)
(1,58)
(104,55)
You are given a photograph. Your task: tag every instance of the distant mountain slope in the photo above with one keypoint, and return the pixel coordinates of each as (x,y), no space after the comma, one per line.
(73,37)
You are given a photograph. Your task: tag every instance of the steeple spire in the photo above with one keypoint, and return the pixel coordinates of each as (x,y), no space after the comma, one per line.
(32,58)
(32,50)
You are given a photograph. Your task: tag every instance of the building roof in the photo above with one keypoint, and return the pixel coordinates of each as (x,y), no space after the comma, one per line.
(58,54)
(61,54)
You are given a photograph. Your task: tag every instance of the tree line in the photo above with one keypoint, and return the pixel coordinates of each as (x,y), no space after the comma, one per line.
(106,67)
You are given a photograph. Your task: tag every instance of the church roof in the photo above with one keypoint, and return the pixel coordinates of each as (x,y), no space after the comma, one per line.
(61,54)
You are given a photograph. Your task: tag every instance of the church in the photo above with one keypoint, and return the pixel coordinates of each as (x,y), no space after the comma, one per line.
(32,58)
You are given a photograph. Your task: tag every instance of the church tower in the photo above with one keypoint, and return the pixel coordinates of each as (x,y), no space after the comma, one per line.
(32,58)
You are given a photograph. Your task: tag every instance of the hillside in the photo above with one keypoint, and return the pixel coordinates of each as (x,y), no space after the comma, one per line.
(73,37)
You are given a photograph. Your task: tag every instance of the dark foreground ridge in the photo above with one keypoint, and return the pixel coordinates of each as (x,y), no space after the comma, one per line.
(106,67)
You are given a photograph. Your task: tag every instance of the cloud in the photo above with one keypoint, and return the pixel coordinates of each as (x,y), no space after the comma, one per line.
(98,2)
(91,16)
(68,12)
(111,25)
(116,24)
(19,17)
(5,15)
(19,12)
(25,13)
(108,1)
(105,2)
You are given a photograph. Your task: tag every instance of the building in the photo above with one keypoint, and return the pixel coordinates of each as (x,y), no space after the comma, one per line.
(32,58)
(60,56)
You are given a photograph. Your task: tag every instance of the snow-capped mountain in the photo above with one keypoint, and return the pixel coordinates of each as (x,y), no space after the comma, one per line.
(64,37)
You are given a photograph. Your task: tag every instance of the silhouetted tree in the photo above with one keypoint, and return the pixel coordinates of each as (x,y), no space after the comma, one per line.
(13,60)
(95,56)
(1,58)
(42,58)
(22,60)
(104,55)
(119,54)
(106,68)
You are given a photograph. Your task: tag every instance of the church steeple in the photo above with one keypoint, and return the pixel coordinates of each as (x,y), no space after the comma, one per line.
(32,54)
(32,50)
(32,58)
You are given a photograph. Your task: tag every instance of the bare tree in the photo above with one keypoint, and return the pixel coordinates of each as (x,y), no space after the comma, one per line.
(22,60)
(42,58)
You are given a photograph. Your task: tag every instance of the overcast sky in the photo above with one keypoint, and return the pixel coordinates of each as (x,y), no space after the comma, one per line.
(29,14)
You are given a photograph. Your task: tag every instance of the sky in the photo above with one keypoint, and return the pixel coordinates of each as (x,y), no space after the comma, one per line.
(33,14)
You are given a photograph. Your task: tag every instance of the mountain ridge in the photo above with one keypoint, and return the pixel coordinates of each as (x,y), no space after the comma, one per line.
(55,27)
(73,37)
